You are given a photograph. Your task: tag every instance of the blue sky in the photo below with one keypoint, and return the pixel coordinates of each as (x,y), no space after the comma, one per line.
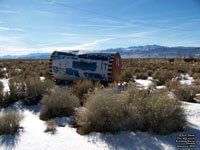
(28,26)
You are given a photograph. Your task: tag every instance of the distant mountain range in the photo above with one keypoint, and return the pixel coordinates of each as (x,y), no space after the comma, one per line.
(157,51)
(152,51)
(28,56)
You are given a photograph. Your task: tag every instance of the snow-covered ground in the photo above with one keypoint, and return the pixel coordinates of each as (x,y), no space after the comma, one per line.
(142,83)
(33,137)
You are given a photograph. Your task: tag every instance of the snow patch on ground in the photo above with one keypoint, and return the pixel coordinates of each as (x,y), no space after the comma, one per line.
(42,78)
(143,83)
(193,112)
(150,78)
(4,69)
(186,79)
(161,87)
(5,84)
(189,82)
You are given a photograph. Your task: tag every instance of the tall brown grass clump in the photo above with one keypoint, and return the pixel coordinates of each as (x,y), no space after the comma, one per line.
(107,111)
(58,104)
(10,122)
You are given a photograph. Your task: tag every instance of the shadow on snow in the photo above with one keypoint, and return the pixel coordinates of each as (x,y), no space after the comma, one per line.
(20,107)
(143,140)
(10,141)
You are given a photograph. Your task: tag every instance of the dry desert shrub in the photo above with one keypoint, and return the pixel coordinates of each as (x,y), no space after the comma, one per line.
(10,122)
(196,75)
(58,104)
(1,87)
(152,86)
(102,112)
(107,111)
(163,75)
(158,113)
(127,74)
(194,69)
(142,75)
(28,91)
(80,88)
(197,81)
(5,101)
(17,88)
(46,74)
(172,84)
(26,68)
(186,92)
(51,125)
(13,73)
(35,89)
(2,73)
(142,72)
(181,67)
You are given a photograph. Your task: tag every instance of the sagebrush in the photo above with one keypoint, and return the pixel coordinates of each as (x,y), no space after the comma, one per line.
(59,103)
(107,111)
(80,88)
(51,126)
(35,89)
(10,121)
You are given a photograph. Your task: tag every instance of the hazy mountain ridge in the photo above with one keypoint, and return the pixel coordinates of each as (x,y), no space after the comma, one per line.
(153,51)
(28,56)
(157,51)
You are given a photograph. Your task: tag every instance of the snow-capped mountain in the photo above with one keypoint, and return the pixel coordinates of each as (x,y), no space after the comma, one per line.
(153,51)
